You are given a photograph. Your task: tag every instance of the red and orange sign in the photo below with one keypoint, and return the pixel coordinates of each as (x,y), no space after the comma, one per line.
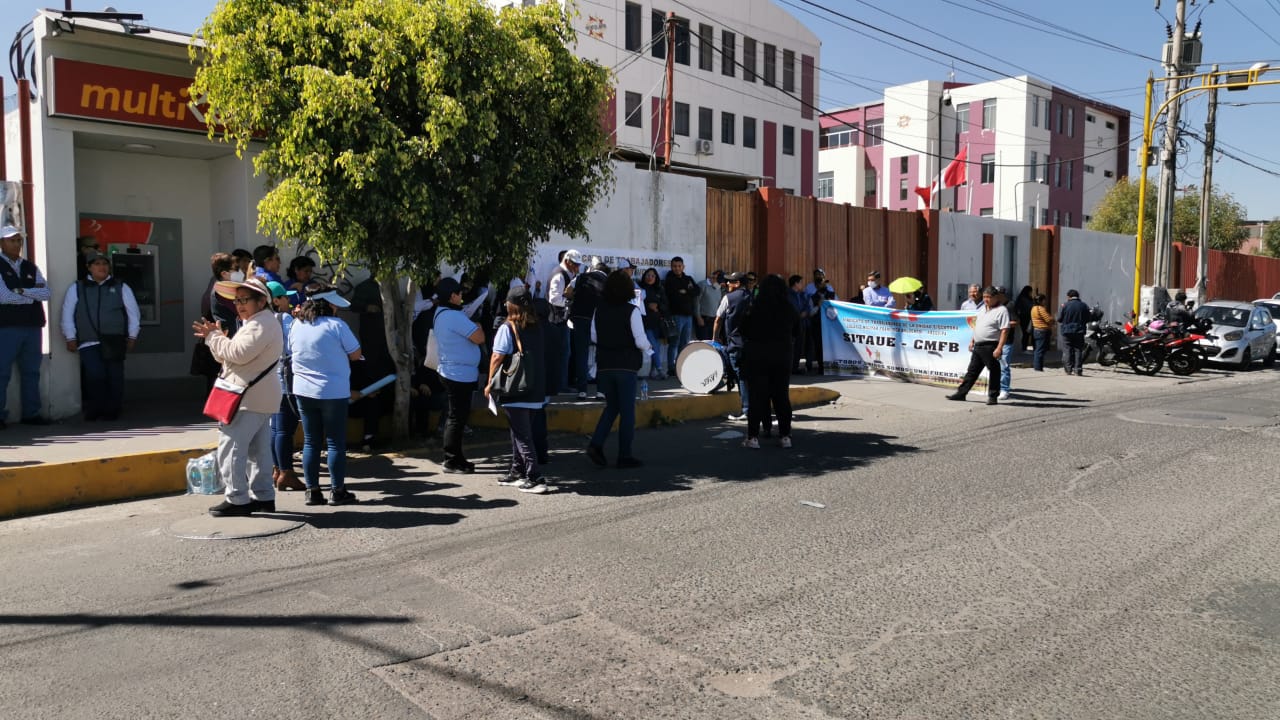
(115,94)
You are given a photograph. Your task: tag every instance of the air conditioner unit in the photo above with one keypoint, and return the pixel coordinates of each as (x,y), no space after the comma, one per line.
(704,147)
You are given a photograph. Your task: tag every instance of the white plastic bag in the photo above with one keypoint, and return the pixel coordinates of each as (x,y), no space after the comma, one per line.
(202,476)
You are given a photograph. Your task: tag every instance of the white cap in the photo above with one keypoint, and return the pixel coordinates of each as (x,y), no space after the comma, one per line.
(333,298)
(573,256)
(623,263)
(10,231)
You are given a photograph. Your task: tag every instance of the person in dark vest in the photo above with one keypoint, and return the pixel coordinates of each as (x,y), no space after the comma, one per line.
(729,318)
(587,289)
(769,333)
(522,333)
(621,345)
(22,297)
(100,321)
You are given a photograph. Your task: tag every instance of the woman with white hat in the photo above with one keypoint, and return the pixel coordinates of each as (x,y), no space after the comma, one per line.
(244,444)
(322,347)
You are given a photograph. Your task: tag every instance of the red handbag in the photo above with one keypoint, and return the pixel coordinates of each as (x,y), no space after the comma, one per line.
(224,398)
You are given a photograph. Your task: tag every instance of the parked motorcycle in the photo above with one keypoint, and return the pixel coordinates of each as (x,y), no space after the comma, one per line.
(1145,354)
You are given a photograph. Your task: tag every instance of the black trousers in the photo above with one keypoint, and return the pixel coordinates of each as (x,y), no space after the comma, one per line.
(982,357)
(814,343)
(455,419)
(799,343)
(770,386)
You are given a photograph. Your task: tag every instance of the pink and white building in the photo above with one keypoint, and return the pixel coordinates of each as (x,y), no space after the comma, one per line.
(1035,153)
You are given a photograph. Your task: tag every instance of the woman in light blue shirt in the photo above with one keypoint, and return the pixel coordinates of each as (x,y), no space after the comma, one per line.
(322,347)
(458,341)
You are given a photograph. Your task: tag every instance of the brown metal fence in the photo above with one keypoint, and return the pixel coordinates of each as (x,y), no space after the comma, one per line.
(1232,276)
(732,229)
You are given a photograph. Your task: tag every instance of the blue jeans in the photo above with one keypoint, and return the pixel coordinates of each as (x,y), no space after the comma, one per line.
(21,345)
(324,420)
(734,358)
(655,353)
(102,383)
(581,337)
(684,333)
(619,388)
(1006,376)
(1042,345)
(284,424)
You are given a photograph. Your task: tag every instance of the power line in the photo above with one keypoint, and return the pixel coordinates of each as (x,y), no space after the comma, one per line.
(1074,36)
(1252,21)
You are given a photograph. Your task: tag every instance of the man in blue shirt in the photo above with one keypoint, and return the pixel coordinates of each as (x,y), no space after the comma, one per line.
(816,292)
(23,293)
(875,294)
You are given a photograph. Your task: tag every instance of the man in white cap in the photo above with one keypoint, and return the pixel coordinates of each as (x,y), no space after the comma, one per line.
(559,297)
(22,297)
(100,321)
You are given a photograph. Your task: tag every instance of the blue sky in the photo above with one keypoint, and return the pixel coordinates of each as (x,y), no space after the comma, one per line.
(1013,37)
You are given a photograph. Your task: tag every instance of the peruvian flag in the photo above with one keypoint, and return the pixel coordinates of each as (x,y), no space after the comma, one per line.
(953,176)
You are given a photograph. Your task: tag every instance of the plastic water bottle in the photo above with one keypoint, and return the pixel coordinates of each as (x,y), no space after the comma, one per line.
(644,389)
(194,486)
(208,476)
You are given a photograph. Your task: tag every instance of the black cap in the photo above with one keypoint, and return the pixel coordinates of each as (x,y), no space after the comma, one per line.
(519,296)
(1001,290)
(819,271)
(1073,293)
(719,276)
(446,288)
(735,277)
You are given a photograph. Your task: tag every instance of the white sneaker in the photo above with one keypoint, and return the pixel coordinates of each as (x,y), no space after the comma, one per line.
(1003,396)
(582,396)
(738,418)
(534,487)
(751,443)
(785,441)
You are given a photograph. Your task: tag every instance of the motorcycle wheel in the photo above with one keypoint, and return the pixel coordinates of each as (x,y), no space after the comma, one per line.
(1145,363)
(1183,363)
(1106,356)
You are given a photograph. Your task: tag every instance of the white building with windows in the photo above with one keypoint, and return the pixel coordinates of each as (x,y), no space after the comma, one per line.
(1035,153)
(745,88)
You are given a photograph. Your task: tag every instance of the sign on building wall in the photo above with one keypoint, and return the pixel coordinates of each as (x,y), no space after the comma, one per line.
(114,94)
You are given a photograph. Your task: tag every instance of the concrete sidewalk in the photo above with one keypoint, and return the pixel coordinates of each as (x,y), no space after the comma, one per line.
(70,464)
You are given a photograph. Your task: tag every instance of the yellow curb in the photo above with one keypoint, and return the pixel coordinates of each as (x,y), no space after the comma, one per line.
(655,412)
(32,489)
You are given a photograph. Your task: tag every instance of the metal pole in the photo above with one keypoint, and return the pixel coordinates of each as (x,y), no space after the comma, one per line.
(669,107)
(1147,124)
(28,185)
(1169,157)
(939,191)
(1206,192)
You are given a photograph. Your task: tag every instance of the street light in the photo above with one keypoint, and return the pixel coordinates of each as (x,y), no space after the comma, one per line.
(1213,80)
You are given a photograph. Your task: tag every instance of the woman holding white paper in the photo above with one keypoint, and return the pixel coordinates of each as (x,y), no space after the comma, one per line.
(320,346)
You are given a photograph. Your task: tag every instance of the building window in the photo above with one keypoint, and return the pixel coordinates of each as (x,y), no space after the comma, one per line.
(1035,111)
(748,59)
(903,190)
(705,118)
(728,123)
(1044,216)
(1031,213)
(1060,109)
(657,34)
(770,65)
(788,140)
(1032,167)
(1110,125)
(1108,173)
(904,165)
(875,128)
(748,132)
(988,114)
(872,182)
(988,168)
(682,119)
(962,118)
(634,118)
(788,70)
(984,212)
(1057,173)
(728,53)
(1069,219)
(705,46)
(838,137)
(1071,171)
(826,185)
(682,41)
(1088,218)
(635,17)
(1071,122)
(1057,217)
(1088,169)
(1090,118)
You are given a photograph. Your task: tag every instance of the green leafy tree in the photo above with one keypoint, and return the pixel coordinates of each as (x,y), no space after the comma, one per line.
(1271,238)
(1117,212)
(409,134)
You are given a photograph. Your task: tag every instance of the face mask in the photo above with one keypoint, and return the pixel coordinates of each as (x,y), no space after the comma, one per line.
(237,276)
(873,284)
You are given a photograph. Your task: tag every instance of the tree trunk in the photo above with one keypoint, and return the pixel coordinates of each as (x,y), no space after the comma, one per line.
(397,319)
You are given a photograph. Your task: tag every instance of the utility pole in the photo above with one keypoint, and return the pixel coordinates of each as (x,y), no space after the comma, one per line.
(668,109)
(1169,156)
(1202,253)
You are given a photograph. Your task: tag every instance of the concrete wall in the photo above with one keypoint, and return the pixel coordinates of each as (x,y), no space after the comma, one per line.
(1100,266)
(648,218)
(960,255)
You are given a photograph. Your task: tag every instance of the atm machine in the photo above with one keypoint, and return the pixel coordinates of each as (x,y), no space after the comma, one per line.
(139,267)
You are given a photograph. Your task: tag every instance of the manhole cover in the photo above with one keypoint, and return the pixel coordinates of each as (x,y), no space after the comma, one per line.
(1193,418)
(1197,416)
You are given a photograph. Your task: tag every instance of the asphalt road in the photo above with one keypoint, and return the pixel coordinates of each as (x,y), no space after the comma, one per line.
(1102,547)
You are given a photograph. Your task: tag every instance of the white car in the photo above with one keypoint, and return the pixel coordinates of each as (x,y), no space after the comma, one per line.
(1241,333)
(1272,306)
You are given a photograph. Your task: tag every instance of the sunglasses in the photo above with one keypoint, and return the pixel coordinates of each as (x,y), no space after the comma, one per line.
(243,300)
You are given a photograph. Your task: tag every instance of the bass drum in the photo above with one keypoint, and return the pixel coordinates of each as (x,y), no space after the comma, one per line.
(703,367)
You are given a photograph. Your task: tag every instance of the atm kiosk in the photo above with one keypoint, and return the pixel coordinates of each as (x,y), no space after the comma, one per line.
(139,267)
